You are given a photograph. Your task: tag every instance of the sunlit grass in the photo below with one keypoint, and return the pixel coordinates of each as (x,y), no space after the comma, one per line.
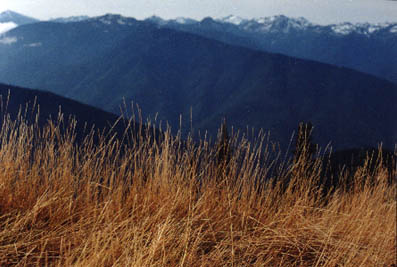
(172,203)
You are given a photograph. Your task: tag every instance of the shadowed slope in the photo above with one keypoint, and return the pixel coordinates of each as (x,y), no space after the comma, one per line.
(101,61)
(43,106)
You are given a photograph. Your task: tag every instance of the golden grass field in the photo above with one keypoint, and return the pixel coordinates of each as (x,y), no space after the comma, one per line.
(170,203)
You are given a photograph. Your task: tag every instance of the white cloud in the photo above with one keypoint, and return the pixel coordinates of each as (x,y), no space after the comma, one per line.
(4,27)
(8,40)
(33,45)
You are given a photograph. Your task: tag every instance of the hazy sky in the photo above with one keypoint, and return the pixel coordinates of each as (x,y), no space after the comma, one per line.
(318,11)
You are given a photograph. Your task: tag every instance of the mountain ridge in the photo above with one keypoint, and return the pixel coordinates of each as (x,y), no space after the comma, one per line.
(17,18)
(369,48)
(41,106)
(169,72)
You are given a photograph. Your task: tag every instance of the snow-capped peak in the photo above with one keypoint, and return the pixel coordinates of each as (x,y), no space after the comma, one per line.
(343,28)
(291,22)
(361,28)
(263,24)
(71,19)
(109,19)
(284,24)
(274,24)
(179,20)
(183,20)
(157,20)
(232,19)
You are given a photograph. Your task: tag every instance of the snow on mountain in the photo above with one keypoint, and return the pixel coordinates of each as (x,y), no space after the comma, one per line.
(266,23)
(360,28)
(372,29)
(275,23)
(106,20)
(157,20)
(272,24)
(179,20)
(4,27)
(232,19)
(284,24)
(70,19)
(343,29)
(110,19)
(183,20)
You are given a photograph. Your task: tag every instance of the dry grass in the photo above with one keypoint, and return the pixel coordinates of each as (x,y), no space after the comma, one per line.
(160,205)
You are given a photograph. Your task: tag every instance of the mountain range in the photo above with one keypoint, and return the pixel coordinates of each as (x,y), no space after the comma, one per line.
(369,48)
(104,60)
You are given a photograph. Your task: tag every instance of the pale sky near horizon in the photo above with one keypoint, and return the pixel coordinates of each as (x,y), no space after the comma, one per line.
(317,11)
